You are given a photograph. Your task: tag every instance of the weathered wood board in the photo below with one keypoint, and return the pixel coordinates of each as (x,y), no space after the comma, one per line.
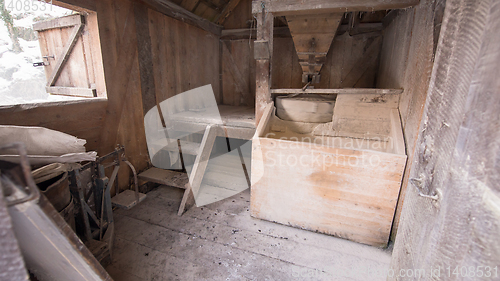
(72,47)
(451,212)
(337,188)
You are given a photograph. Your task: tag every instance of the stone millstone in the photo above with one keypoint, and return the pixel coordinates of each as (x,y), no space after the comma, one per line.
(307,108)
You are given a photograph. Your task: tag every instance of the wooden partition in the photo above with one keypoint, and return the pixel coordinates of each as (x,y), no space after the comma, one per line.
(184,57)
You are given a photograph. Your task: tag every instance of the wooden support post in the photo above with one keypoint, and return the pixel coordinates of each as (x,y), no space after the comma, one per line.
(123,69)
(145,57)
(265,29)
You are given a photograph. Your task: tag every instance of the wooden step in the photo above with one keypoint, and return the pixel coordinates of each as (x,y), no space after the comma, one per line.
(126,199)
(166,177)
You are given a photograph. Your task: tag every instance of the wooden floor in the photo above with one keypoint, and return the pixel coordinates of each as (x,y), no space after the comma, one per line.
(221,241)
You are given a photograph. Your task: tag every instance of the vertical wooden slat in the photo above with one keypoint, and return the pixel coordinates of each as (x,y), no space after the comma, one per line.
(265,26)
(65,54)
(120,70)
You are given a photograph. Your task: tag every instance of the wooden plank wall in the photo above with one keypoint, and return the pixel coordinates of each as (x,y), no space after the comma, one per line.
(242,53)
(352,62)
(184,57)
(119,120)
(406,62)
(457,154)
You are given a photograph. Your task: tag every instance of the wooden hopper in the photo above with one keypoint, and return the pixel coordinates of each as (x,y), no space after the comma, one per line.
(312,36)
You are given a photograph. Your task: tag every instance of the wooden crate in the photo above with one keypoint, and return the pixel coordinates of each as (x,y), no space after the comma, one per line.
(347,187)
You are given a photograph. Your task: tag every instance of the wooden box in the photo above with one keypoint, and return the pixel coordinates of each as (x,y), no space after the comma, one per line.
(340,178)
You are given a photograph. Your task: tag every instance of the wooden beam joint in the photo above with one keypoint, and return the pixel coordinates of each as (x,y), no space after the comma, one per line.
(179,13)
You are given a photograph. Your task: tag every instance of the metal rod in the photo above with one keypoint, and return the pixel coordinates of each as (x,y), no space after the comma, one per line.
(108,186)
(135,180)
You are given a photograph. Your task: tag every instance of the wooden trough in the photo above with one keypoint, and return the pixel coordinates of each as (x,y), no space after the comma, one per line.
(340,178)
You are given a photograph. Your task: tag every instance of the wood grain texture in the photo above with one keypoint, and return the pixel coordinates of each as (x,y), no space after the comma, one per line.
(457,150)
(294,7)
(166,177)
(61,22)
(244,62)
(343,198)
(228,9)
(286,72)
(364,91)
(265,28)
(312,37)
(343,58)
(82,119)
(72,91)
(241,82)
(148,89)
(71,64)
(241,17)
(347,190)
(179,13)
(64,54)
(346,57)
(406,61)
(179,64)
(123,124)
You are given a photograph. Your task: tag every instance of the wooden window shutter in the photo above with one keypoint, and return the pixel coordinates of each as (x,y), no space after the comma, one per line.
(66,50)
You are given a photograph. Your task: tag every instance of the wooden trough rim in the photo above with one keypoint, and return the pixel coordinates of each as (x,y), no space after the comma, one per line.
(363,91)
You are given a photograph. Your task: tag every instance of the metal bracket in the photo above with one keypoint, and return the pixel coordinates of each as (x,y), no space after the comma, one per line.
(43,63)
(417,182)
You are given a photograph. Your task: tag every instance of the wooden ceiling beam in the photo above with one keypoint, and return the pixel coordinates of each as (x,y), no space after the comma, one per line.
(221,18)
(206,3)
(284,32)
(177,12)
(297,7)
(248,33)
